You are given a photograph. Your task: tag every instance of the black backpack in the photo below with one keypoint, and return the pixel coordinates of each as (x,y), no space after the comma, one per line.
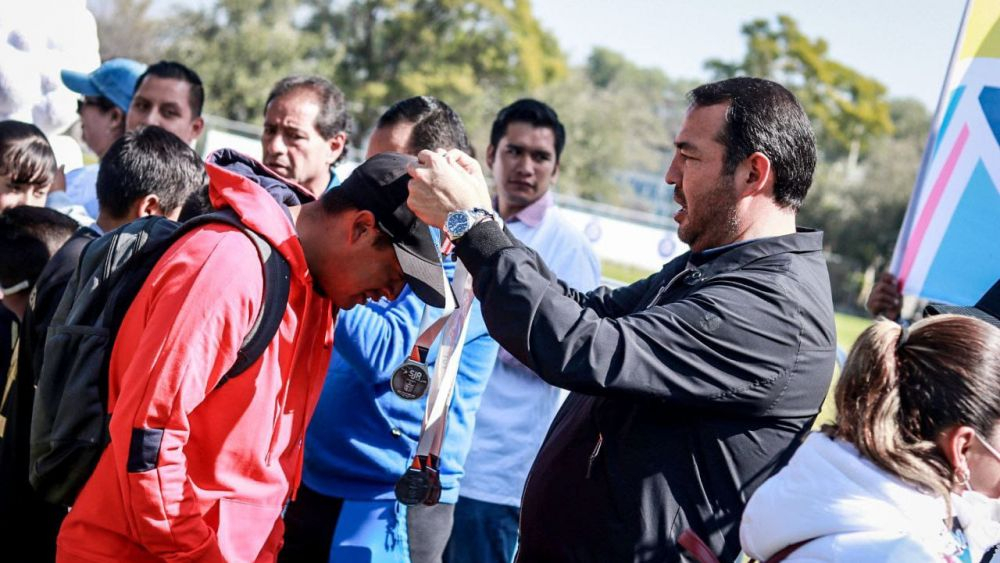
(69,426)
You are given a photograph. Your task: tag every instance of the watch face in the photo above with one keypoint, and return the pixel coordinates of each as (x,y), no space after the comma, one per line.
(457,223)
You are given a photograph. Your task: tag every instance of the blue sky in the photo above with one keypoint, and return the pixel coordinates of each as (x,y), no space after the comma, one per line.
(905,44)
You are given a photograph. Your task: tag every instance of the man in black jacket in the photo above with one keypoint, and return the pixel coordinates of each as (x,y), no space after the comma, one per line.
(690,387)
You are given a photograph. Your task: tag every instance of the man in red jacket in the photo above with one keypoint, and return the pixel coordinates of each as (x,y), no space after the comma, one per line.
(198,473)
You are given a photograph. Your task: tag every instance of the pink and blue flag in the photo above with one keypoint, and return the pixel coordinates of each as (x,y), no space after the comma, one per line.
(949,245)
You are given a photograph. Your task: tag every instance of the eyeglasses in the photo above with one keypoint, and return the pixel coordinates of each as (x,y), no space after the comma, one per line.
(100,102)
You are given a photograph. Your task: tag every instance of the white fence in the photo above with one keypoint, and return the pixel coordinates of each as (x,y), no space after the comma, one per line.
(641,240)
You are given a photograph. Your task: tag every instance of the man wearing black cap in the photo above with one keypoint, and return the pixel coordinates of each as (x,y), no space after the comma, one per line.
(199,471)
(364,433)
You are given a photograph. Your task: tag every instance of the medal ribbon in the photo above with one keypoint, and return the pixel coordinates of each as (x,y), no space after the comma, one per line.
(421,483)
(446,368)
(429,330)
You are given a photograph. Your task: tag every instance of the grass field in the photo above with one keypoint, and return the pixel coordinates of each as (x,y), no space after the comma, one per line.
(622,272)
(849,327)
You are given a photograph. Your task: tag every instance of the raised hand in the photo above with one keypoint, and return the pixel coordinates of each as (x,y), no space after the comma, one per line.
(442,182)
(885,298)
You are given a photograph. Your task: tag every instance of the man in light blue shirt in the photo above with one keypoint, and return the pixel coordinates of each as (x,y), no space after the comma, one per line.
(526,143)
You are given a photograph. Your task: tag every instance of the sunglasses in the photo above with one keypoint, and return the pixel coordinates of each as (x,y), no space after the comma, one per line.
(100,102)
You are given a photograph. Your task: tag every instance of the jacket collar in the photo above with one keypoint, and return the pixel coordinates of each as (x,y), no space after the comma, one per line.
(802,241)
(283,190)
(258,210)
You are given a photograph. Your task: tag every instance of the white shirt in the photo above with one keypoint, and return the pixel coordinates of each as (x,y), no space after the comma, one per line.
(517,406)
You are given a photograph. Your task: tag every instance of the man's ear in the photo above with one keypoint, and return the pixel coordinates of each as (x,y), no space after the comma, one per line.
(363,227)
(754,175)
(117,117)
(491,153)
(148,204)
(336,145)
(196,128)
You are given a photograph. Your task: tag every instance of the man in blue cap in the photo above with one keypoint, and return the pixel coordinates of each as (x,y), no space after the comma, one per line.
(107,93)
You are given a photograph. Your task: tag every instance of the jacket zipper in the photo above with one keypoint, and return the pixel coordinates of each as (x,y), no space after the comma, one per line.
(593,454)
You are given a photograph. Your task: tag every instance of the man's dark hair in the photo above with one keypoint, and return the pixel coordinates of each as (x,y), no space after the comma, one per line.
(336,201)
(25,154)
(149,160)
(763,116)
(176,71)
(29,236)
(435,124)
(533,112)
(197,203)
(332,118)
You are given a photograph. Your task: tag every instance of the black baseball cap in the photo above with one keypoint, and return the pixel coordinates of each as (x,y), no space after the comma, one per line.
(986,309)
(380,185)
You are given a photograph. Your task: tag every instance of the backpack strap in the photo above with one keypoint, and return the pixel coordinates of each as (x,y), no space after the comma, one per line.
(277,283)
(697,547)
(784,552)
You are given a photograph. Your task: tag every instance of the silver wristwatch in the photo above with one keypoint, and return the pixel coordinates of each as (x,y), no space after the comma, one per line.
(457,223)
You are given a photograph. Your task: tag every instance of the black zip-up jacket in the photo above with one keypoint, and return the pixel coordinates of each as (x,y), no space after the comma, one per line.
(27,522)
(690,388)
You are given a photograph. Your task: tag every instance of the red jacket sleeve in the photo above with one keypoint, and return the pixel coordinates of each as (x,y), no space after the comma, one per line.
(181,335)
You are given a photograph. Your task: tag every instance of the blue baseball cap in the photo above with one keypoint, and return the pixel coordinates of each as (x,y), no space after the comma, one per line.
(115,80)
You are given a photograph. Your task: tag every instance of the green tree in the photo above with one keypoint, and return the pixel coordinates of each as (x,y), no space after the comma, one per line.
(849,110)
(471,53)
(861,211)
(648,107)
(876,205)
(125,28)
(458,50)
(618,117)
(241,48)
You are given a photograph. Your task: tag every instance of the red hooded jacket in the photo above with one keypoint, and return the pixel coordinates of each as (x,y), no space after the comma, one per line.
(229,458)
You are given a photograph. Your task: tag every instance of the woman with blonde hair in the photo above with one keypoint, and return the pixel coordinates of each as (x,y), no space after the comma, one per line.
(910,470)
